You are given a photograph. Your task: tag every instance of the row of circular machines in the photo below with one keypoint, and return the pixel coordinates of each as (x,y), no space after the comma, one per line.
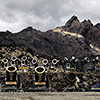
(35,77)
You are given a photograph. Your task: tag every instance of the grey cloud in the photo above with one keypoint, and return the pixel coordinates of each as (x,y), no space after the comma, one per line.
(45,14)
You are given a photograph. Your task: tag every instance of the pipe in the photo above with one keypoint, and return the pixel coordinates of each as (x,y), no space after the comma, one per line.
(23,62)
(13,58)
(97,58)
(39,75)
(34,61)
(45,62)
(65,61)
(40,70)
(13,63)
(65,68)
(34,64)
(84,68)
(5,61)
(94,67)
(11,69)
(11,72)
(54,61)
(87,60)
(95,61)
(71,77)
(73,58)
(24,58)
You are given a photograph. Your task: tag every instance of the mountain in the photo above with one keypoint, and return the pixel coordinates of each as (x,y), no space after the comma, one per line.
(85,28)
(74,38)
(97,26)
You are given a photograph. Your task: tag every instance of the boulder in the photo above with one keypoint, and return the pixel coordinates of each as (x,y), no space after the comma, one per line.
(85,78)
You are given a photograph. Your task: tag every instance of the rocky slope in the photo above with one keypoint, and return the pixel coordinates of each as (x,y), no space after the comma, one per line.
(9,51)
(90,32)
(60,83)
(97,26)
(74,38)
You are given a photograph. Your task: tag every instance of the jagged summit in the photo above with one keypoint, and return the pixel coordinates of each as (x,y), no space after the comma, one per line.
(74,38)
(73,18)
(74,25)
(87,22)
(70,21)
(29,28)
(85,28)
(97,26)
(7,31)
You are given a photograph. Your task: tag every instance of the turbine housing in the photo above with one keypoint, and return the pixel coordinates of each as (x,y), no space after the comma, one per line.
(71,77)
(40,70)
(11,76)
(11,69)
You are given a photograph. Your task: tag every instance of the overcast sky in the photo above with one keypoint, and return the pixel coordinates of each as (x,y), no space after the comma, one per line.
(45,14)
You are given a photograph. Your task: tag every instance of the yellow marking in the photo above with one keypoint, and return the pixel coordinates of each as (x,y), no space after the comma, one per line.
(22,69)
(25,67)
(39,83)
(40,67)
(15,69)
(11,83)
(95,88)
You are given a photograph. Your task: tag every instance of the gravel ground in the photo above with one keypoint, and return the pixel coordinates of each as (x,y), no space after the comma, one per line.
(50,96)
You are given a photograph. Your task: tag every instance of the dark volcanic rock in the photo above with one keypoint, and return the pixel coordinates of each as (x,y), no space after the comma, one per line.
(85,28)
(74,19)
(48,43)
(85,78)
(54,79)
(97,26)
(58,41)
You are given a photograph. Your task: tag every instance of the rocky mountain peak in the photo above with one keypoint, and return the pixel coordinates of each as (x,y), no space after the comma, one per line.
(29,28)
(88,22)
(75,38)
(73,19)
(97,26)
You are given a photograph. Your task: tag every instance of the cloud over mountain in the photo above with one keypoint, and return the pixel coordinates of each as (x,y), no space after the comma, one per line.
(45,14)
